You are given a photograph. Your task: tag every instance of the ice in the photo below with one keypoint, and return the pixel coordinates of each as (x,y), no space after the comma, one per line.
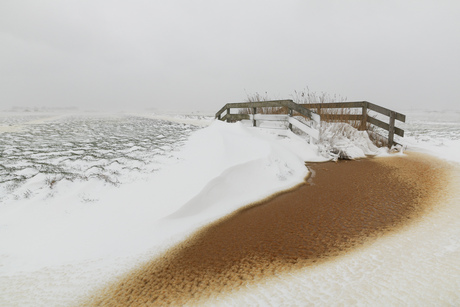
(434,132)
(72,145)
(73,213)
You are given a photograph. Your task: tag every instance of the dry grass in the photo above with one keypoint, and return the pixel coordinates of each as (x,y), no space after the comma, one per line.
(306,97)
(376,138)
(265,110)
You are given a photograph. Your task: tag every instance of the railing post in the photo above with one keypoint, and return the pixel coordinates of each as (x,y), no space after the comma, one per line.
(228,113)
(254,110)
(364,117)
(290,115)
(391,130)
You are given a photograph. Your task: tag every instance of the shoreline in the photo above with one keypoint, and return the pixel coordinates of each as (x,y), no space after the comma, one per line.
(303,227)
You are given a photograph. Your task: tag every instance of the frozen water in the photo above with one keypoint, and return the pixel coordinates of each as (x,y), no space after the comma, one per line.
(111,149)
(433,132)
(434,126)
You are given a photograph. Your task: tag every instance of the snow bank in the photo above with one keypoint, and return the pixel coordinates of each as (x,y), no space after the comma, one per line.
(443,148)
(341,140)
(220,169)
(53,250)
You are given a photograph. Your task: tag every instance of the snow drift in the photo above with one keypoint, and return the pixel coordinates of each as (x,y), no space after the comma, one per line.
(90,232)
(220,169)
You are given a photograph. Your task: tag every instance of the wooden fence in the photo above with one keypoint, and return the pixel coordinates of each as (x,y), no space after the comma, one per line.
(306,111)
(364,117)
(311,128)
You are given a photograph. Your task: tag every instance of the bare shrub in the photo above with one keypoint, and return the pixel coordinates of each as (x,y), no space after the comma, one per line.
(51,181)
(256,97)
(307,97)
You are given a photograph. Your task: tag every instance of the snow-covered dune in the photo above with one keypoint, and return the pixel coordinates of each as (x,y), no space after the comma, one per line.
(61,242)
(221,168)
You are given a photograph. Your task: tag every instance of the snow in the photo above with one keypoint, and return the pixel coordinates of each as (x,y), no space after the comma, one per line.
(74,223)
(203,186)
(344,141)
(434,132)
(62,237)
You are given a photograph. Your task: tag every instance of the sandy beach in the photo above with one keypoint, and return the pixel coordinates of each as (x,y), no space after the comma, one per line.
(340,208)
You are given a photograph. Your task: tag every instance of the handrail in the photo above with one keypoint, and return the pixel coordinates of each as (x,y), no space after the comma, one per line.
(267,104)
(305,110)
(366,105)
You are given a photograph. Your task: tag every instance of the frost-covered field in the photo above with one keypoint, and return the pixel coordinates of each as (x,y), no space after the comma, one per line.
(41,153)
(436,132)
(86,197)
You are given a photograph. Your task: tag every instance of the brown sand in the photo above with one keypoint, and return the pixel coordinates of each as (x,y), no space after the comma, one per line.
(342,206)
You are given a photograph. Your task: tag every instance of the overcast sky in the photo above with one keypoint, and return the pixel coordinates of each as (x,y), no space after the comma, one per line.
(199,55)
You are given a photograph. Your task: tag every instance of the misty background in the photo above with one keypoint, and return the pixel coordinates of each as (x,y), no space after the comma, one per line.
(198,55)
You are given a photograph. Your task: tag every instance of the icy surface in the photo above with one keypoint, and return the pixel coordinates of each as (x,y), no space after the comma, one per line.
(106,149)
(434,132)
(87,197)
(95,229)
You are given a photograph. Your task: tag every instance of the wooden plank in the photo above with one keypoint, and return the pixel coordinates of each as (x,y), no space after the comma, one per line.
(289,103)
(363,117)
(275,104)
(355,104)
(385,111)
(344,117)
(269,117)
(259,104)
(391,130)
(221,111)
(302,110)
(235,117)
(310,131)
(335,105)
(378,123)
(315,117)
(384,126)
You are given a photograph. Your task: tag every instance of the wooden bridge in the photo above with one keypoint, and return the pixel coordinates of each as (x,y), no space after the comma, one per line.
(314,112)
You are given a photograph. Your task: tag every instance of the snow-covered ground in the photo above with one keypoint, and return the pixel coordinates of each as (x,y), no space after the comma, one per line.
(436,133)
(87,197)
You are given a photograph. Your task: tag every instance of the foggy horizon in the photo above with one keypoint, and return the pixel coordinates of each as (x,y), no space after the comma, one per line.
(195,56)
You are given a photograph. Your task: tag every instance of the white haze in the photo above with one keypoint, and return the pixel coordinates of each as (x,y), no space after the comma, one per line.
(198,55)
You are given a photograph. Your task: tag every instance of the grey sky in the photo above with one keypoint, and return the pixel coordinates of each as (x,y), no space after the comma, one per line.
(198,55)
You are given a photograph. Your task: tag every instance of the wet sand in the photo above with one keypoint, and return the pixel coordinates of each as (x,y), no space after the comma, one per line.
(342,206)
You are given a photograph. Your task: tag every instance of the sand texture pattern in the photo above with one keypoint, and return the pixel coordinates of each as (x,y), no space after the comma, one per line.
(341,206)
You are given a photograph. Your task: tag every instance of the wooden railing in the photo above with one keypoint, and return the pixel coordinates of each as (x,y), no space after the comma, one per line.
(364,117)
(306,111)
(312,129)
(291,105)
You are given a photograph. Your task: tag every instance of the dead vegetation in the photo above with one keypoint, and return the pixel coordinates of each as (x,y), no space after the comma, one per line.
(306,97)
